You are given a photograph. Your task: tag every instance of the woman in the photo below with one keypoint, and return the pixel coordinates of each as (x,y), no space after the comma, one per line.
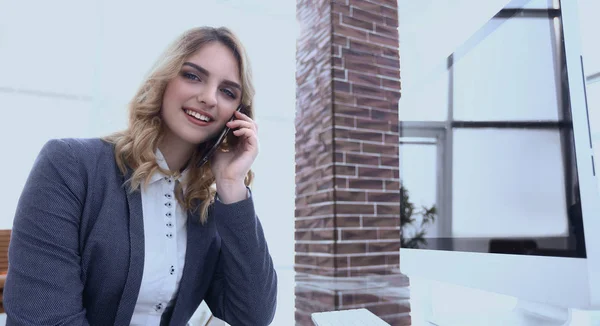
(130,230)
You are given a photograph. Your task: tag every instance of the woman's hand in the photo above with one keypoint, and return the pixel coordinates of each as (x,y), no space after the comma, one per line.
(230,168)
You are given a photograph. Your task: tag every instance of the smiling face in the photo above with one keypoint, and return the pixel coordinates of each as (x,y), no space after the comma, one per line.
(203,96)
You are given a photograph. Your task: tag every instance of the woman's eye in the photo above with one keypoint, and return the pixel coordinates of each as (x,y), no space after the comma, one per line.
(229,93)
(191,76)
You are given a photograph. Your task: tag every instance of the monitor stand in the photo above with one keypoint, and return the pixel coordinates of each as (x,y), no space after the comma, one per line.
(525,313)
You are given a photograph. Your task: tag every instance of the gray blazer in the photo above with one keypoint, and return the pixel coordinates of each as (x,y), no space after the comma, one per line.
(76,255)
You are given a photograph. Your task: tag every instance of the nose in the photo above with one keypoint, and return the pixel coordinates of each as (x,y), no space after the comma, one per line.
(208,96)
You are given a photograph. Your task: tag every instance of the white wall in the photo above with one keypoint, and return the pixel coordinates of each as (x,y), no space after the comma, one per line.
(68,69)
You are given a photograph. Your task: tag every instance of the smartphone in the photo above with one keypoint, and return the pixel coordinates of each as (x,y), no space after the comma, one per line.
(218,140)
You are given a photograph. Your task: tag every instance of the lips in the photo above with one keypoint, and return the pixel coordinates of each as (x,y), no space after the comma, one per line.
(198,115)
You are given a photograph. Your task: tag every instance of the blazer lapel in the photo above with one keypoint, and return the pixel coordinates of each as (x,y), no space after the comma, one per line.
(136,257)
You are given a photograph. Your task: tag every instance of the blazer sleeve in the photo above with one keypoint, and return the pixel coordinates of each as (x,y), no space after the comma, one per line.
(244,287)
(43,284)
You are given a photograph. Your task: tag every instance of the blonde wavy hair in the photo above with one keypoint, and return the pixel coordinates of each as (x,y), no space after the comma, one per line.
(135,146)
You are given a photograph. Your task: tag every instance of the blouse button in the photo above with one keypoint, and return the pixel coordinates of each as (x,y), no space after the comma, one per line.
(169,235)
(168,204)
(170,224)
(168,214)
(168,196)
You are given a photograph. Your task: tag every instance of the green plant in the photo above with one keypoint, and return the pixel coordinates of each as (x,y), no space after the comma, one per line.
(408,212)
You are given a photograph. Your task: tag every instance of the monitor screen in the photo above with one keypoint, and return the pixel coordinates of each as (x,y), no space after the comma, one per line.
(487,154)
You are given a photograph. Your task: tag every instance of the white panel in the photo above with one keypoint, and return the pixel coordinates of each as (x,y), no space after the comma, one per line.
(590,25)
(509,75)
(508,183)
(540,279)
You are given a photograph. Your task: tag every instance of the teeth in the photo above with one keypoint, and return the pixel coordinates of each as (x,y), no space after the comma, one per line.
(197,115)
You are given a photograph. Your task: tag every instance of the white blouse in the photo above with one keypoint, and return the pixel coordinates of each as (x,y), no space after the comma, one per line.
(165,236)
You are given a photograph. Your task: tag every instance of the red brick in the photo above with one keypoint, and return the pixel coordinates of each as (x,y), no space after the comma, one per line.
(365,68)
(344,98)
(357,22)
(391,32)
(388,209)
(385,197)
(364,79)
(389,83)
(366,47)
(340,86)
(372,124)
(367,16)
(363,159)
(389,12)
(373,102)
(393,63)
(384,247)
(340,8)
(366,6)
(345,170)
(380,149)
(320,210)
(338,63)
(387,72)
(345,121)
(382,40)
(355,208)
(351,110)
(393,259)
(391,22)
(357,196)
(340,40)
(350,299)
(392,185)
(388,234)
(341,73)
(347,222)
(374,172)
(389,161)
(367,91)
(352,58)
(390,308)
(358,234)
(373,136)
(390,115)
(389,52)
(350,32)
(374,260)
(351,248)
(347,146)
(365,184)
(314,223)
(320,248)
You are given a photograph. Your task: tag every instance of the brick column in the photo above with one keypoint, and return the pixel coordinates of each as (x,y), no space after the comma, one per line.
(347,177)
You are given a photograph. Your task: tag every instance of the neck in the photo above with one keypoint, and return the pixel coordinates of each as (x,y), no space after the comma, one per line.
(176,152)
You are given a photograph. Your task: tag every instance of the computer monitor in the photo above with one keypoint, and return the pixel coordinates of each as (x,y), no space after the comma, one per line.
(498,177)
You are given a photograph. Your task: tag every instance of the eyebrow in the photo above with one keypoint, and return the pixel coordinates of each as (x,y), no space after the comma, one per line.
(205,72)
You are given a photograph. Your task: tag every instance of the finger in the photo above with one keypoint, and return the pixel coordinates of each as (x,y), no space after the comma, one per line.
(241,124)
(244,117)
(248,134)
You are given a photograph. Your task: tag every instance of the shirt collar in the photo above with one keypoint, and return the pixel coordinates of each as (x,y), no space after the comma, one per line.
(162,163)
